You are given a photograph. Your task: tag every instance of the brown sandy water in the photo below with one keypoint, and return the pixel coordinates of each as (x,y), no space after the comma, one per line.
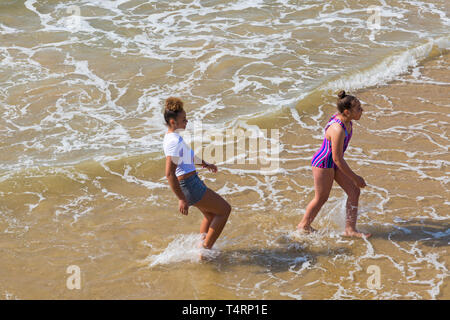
(82,171)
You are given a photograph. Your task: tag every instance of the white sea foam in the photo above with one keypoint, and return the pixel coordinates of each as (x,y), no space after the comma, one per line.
(183,248)
(277,68)
(76,208)
(163,37)
(5,30)
(388,69)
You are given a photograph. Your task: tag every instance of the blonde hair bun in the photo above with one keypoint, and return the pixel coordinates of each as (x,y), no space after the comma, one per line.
(174,104)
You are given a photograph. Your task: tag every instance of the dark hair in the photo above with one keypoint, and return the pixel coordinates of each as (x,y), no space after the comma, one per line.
(345,101)
(172,108)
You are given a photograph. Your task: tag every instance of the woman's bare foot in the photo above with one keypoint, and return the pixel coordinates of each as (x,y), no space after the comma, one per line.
(305,229)
(356,234)
(201,254)
(201,246)
(201,257)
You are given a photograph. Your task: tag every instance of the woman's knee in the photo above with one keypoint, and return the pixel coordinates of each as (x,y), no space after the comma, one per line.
(208,216)
(227,209)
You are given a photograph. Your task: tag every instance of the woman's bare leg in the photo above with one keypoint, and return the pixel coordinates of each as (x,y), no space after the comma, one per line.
(206,222)
(213,204)
(353,193)
(323,181)
(204,227)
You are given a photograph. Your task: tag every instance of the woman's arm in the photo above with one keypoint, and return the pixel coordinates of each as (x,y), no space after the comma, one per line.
(337,136)
(204,164)
(175,184)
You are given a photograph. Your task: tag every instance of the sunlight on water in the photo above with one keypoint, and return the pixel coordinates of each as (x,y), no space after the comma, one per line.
(82,182)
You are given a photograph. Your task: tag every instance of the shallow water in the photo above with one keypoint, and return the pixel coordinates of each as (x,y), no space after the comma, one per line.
(81,166)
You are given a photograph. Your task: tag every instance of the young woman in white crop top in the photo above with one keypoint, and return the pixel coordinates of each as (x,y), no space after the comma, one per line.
(183,178)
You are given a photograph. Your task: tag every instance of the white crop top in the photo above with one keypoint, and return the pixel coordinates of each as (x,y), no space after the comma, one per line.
(175,146)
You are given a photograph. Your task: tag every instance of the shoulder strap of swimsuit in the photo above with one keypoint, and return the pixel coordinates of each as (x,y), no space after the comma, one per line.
(330,121)
(342,125)
(336,120)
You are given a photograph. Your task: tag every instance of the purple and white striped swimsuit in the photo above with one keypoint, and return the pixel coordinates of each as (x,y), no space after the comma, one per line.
(323,158)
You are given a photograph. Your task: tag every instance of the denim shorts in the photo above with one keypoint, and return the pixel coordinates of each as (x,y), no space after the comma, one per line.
(193,189)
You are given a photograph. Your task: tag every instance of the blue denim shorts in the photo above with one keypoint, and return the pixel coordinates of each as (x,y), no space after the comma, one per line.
(193,189)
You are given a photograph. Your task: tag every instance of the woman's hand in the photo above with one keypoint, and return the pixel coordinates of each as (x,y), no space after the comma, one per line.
(210,167)
(183,206)
(359,181)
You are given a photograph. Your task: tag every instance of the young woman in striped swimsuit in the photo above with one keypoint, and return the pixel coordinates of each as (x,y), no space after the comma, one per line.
(328,164)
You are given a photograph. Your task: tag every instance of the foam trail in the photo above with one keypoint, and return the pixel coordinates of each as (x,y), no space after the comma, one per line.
(183,248)
(381,73)
(388,69)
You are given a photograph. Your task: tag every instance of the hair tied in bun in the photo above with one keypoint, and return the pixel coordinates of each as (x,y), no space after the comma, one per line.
(341,94)
(173,107)
(174,104)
